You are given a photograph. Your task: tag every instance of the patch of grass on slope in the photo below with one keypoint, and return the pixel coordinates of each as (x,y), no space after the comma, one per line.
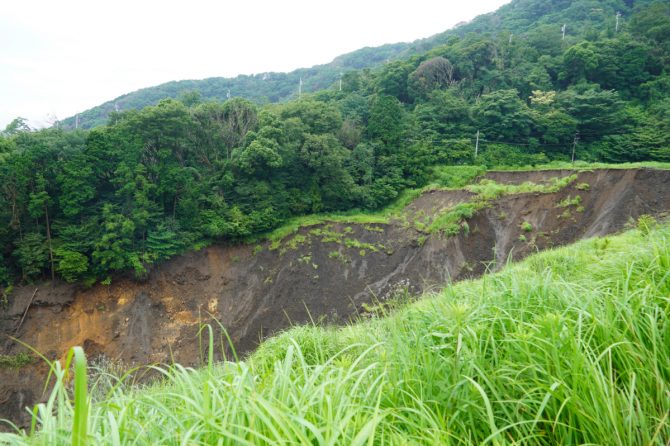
(584,165)
(455,177)
(453,220)
(571,346)
(490,190)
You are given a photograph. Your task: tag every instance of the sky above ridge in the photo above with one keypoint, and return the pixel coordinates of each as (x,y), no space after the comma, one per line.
(60,58)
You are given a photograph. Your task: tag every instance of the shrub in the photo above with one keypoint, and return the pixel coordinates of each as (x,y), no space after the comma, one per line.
(72,265)
(570,201)
(507,155)
(645,223)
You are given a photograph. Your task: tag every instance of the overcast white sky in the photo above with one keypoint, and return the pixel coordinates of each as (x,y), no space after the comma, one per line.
(61,57)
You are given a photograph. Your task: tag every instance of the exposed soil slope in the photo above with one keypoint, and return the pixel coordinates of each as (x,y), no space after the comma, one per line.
(325,272)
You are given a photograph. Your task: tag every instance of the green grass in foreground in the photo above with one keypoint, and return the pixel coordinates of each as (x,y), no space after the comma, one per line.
(571,346)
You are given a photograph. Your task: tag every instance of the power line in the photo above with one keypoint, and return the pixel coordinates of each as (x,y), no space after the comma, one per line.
(478,140)
(599,135)
(511,143)
(518,143)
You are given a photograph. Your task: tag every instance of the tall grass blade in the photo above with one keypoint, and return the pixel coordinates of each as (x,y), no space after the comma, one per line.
(81,409)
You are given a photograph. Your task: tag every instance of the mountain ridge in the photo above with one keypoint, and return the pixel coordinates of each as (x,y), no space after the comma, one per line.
(518,16)
(279,86)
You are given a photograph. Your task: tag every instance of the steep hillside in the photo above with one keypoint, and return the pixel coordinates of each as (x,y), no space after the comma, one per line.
(324,273)
(537,18)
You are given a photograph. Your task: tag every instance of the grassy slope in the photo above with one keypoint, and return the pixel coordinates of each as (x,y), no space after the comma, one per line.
(570,346)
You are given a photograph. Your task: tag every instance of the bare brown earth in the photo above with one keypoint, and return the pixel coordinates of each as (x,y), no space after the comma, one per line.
(322,273)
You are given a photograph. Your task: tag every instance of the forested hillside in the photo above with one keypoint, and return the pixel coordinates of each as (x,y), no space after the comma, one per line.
(541,19)
(154,182)
(260,88)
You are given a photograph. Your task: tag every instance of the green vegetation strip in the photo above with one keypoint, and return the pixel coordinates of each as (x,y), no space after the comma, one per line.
(567,347)
(583,165)
(489,189)
(442,178)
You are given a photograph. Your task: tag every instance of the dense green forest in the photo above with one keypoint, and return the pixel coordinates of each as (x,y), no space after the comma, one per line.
(520,17)
(81,205)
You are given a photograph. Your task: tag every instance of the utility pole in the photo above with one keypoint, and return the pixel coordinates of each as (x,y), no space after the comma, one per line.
(76,122)
(616,28)
(563,31)
(510,38)
(340,81)
(574,146)
(300,88)
(228,94)
(477,145)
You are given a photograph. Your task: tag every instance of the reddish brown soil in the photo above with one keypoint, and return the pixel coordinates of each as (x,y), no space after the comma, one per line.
(255,294)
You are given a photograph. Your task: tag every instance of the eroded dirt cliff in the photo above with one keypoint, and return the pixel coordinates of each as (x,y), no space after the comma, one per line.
(321,273)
